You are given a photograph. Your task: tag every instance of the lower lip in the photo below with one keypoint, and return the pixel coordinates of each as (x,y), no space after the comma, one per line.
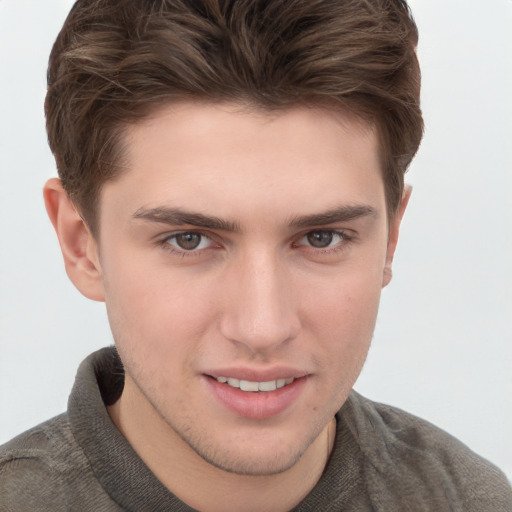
(257,405)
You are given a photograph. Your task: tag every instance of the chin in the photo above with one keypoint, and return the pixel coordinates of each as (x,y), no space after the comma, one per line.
(252,463)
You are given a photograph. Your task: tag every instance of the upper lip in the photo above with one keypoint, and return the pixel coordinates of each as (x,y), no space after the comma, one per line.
(258,375)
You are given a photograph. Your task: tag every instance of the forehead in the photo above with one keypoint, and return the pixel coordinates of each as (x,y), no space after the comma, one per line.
(230,158)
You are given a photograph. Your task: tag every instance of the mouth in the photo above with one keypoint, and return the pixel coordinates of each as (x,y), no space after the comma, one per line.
(253,386)
(257,399)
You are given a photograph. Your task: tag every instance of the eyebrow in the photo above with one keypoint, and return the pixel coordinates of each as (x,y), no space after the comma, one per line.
(341,214)
(180,217)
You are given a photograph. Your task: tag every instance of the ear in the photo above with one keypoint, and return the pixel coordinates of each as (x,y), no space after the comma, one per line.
(78,246)
(394,228)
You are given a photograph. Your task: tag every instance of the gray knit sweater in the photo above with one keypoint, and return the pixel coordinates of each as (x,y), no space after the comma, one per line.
(383,460)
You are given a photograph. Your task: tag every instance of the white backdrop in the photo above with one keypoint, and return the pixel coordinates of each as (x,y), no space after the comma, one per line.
(442,348)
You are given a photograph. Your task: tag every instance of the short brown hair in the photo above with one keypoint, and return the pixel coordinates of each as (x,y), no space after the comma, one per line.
(116,60)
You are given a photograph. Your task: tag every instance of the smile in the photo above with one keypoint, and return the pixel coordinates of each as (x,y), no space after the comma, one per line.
(257,399)
(247,385)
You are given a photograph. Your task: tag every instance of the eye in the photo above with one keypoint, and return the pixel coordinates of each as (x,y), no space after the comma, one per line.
(322,239)
(188,241)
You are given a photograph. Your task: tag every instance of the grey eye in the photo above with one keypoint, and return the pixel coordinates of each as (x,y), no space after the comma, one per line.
(320,239)
(188,241)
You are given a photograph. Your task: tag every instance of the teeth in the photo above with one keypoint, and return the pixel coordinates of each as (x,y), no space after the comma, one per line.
(247,385)
(280,383)
(271,385)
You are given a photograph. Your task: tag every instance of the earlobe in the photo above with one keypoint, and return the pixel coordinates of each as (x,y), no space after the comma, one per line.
(78,246)
(394,229)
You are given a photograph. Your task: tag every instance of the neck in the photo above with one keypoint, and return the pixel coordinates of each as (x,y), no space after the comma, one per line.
(204,486)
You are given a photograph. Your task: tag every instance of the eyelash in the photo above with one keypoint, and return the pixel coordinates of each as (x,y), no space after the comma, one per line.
(346,239)
(164,242)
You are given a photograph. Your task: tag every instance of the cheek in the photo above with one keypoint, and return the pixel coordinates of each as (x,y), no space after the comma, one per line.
(338,322)
(342,315)
(158,328)
(150,311)
(345,298)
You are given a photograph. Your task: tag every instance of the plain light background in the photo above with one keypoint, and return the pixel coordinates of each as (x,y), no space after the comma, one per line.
(442,348)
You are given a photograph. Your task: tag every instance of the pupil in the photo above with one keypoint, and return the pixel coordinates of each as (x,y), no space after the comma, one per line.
(320,239)
(188,241)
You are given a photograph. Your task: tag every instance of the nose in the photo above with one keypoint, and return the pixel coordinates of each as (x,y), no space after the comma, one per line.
(260,307)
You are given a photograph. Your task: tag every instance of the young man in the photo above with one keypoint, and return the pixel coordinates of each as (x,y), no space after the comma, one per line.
(231,185)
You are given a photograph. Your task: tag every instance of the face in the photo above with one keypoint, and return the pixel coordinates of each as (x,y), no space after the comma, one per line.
(242,256)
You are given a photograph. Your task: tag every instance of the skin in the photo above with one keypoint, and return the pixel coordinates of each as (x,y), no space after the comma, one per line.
(272,287)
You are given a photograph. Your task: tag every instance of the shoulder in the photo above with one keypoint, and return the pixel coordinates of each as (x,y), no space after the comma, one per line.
(424,461)
(35,465)
(31,465)
(40,445)
(43,468)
